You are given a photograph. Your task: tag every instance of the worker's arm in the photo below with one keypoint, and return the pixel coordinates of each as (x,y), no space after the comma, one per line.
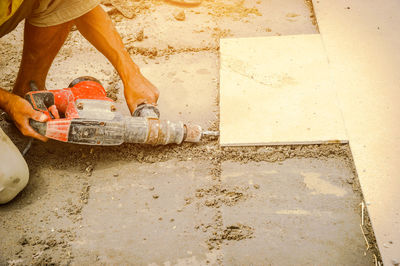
(96,26)
(20,112)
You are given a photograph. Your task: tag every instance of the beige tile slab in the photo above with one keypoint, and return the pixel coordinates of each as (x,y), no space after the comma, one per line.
(362,42)
(276,90)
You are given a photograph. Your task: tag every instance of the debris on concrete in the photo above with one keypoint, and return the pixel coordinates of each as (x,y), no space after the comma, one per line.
(179,15)
(139,36)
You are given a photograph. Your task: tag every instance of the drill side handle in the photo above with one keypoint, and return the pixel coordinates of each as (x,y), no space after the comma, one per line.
(146,110)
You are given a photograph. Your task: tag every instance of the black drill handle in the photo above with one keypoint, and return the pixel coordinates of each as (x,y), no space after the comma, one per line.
(39,127)
(40,101)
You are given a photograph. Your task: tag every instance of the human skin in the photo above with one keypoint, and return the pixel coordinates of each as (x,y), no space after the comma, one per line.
(96,26)
(20,112)
(42,44)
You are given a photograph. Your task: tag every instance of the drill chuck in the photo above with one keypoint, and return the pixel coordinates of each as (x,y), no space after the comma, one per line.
(159,132)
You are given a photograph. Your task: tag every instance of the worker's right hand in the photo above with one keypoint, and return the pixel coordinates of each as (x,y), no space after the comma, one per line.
(139,90)
(20,112)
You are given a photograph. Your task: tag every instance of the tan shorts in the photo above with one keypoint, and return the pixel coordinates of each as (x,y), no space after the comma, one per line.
(44,13)
(55,12)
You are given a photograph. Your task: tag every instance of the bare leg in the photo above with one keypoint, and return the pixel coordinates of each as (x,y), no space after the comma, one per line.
(41,45)
(96,26)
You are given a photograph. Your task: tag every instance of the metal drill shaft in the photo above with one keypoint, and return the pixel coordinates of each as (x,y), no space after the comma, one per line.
(210,133)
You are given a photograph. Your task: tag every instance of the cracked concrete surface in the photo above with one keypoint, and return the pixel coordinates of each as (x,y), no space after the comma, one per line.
(189,204)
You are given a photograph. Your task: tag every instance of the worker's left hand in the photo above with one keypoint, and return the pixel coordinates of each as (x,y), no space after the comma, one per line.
(139,90)
(20,111)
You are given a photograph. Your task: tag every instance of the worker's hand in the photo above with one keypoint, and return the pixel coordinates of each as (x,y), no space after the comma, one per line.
(139,90)
(20,112)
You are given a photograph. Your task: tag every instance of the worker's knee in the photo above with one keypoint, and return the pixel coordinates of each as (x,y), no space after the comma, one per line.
(14,173)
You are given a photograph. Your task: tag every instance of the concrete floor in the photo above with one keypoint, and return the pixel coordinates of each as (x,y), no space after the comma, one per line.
(189,204)
(302,214)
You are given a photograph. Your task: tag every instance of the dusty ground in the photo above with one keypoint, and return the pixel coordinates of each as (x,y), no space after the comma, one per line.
(189,204)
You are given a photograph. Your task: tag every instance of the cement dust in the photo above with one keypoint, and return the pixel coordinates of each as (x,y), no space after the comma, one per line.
(313,18)
(235,9)
(127,8)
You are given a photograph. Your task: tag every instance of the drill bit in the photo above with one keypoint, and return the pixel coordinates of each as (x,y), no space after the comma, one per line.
(210,133)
